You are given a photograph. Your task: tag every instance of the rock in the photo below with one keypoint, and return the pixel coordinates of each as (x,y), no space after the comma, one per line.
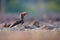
(43,26)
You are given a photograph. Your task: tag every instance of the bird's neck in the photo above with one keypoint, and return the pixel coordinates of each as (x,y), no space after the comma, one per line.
(21,17)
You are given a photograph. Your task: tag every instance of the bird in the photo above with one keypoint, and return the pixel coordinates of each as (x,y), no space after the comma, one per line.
(19,21)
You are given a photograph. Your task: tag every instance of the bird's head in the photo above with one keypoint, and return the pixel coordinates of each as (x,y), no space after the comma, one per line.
(24,13)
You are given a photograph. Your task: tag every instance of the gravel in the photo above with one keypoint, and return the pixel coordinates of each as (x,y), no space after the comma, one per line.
(31,27)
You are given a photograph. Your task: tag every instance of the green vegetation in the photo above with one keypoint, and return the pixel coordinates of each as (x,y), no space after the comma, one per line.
(14,6)
(22,5)
(55,6)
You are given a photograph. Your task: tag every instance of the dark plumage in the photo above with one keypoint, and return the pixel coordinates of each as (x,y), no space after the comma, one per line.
(21,19)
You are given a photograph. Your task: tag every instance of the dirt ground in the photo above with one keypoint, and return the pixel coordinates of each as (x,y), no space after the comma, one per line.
(30,35)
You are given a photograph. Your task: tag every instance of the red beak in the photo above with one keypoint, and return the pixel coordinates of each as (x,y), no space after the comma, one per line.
(24,13)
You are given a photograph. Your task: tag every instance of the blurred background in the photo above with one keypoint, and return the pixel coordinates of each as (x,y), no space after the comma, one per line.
(10,9)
